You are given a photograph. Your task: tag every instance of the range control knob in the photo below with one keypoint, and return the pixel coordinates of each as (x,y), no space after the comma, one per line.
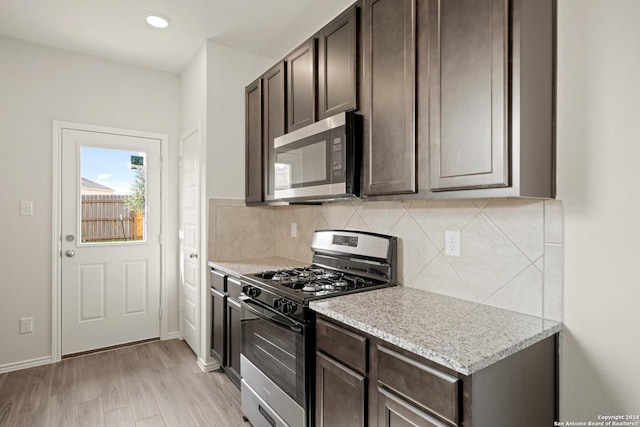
(288,308)
(277,303)
(251,291)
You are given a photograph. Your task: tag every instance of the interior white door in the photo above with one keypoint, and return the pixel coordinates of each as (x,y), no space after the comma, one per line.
(110,264)
(190,243)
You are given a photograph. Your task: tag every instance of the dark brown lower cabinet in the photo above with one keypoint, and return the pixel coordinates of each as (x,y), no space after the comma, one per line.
(394,411)
(423,384)
(225,323)
(219,326)
(404,389)
(233,340)
(234,314)
(340,394)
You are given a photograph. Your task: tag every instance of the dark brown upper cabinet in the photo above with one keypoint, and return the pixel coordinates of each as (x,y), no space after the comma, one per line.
(273,107)
(337,65)
(389,73)
(492,100)
(265,120)
(469,94)
(253,143)
(301,83)
(289,97)
(459,98)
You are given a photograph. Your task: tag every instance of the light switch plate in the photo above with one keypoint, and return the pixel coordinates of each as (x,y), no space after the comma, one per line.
(26,208)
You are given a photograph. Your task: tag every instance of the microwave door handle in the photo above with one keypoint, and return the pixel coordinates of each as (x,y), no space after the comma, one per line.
(293,326)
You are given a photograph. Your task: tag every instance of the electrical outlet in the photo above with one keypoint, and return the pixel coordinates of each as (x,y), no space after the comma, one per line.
(26,325)
(26,208)
(452,243)
(294,229)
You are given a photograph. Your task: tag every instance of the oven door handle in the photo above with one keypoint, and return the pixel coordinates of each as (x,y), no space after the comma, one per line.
(247,303)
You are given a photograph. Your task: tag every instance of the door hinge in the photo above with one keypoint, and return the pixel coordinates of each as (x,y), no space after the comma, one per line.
(160,312)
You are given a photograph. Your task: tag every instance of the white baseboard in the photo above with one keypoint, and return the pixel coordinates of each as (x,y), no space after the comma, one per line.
(16,366)
(206,367)
(173,336)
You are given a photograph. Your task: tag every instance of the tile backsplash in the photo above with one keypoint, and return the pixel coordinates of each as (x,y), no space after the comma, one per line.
(511,250)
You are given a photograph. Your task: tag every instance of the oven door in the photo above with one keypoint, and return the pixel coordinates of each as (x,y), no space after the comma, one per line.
(275,346)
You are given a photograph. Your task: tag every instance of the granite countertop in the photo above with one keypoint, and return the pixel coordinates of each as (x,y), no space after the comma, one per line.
(255,265)
(461,335)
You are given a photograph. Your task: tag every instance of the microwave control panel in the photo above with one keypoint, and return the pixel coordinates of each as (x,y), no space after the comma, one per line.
(337,158)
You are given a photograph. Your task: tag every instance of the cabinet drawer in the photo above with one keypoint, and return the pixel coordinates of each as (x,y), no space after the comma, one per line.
(234,288)
(428,387)
(342,345)
(218,281)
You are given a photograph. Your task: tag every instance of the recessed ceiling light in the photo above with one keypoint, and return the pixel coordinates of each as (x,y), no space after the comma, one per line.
(157,20)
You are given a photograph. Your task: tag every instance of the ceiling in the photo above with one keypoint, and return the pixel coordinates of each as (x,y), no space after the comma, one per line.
(116,29)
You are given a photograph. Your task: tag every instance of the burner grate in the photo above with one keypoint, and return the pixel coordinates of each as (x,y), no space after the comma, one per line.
(314,280)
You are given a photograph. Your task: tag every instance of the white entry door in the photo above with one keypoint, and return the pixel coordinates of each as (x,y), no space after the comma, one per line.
(110,222)
(190,243)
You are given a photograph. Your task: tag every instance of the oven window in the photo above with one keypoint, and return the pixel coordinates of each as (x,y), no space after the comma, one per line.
(301,166)
(278,352)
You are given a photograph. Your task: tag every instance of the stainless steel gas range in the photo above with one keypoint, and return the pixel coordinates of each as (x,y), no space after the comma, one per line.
(277,355)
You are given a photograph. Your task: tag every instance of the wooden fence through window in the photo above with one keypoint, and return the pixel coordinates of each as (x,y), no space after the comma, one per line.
(105,218)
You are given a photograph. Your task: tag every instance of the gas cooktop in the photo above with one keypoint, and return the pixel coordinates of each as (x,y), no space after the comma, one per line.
(343,262)
(312,281)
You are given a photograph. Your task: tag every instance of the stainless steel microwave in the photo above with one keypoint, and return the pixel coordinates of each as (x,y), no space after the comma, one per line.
(320,162)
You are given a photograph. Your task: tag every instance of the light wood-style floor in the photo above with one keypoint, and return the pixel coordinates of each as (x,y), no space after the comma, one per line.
(152,384)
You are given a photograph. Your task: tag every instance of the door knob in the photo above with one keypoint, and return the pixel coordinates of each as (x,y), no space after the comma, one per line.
(70,253)
(193,255)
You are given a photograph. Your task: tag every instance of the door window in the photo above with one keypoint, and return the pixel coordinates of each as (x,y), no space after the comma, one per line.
(113,196)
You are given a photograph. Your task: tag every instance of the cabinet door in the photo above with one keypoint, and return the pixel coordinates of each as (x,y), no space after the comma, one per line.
(469,94)
(273,107)
(219,326)
(337,60)
(253,142)
(301,82)
(234,314)
(389,29)
(340,394)
(394,411)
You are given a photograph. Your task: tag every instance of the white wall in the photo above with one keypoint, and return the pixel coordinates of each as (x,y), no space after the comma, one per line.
(598,181)
(193,92)
(213,97)
(39,85)
(228,72)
